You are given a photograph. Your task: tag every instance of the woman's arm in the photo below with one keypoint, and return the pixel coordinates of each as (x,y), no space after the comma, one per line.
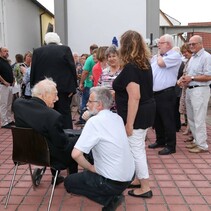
(134,95)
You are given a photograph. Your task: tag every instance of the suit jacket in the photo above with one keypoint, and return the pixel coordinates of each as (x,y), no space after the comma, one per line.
(55,61)
(34,113)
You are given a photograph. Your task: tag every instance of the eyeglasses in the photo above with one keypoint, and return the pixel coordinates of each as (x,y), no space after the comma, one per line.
(160,43)
(193,44)
(93,101)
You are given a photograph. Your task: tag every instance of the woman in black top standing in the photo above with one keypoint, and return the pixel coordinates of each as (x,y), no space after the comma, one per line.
(135,103)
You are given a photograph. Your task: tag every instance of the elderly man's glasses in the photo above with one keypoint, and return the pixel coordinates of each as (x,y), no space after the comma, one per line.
(160,43)
(193,43)
(92,101)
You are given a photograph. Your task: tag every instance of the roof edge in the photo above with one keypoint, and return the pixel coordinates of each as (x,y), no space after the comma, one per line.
(42,7)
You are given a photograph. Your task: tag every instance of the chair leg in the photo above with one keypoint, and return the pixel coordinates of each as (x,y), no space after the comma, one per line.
(30,169)
(52,192)
(11,186)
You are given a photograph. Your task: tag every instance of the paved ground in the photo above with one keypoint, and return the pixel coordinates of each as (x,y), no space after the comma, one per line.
(180,182)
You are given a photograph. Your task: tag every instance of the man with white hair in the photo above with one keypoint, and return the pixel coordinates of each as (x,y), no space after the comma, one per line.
(37,113)
(165,67)
(56,61)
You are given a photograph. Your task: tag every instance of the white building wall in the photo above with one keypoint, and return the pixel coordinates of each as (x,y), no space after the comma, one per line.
(94,21)
(21,31)
(2,23)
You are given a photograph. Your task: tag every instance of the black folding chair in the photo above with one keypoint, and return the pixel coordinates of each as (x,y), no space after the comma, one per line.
(30,147)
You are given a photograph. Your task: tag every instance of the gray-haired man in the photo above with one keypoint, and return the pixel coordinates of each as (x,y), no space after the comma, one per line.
(105,135)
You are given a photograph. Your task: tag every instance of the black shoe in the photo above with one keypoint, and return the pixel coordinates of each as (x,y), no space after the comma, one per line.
(155,145)
(59,180)
(37,175)
(12,123)
(166,151)
(8,126)
(114,203)
(134,186)
(143,195)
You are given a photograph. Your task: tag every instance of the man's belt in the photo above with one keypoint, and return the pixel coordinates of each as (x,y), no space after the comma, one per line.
(191,87)
(164,90)
(114,182)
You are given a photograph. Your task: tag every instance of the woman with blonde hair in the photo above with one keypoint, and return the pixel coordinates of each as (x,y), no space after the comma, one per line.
(135,104)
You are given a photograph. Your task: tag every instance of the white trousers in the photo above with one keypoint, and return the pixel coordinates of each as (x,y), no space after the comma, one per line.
(6,97)
(197,100)
(137,145)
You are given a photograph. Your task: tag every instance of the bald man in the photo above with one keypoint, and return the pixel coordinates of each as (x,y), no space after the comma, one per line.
(6,83)
(197,81)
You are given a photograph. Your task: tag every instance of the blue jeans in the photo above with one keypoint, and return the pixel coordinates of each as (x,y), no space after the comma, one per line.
(85,97)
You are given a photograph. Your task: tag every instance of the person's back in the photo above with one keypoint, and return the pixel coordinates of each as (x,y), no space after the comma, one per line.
(56,61)
(51,61)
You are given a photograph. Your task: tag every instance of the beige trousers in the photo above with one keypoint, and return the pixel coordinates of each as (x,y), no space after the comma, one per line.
(196,105)
(6,97)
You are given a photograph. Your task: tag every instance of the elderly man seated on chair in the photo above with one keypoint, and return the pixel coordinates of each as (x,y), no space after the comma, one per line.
(37,113)
(113,169)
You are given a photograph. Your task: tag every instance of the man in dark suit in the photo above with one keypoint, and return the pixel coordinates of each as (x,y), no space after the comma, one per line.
(56,61)
(38,113)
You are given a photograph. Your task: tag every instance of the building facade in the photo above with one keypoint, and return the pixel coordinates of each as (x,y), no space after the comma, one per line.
(82,23)
(23,24)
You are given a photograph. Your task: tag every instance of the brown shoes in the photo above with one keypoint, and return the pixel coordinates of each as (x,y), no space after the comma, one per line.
(197,150)
(191,146)
(189,139)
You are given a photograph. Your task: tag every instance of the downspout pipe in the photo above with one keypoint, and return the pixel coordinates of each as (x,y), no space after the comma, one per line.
(2,23)
(41,31)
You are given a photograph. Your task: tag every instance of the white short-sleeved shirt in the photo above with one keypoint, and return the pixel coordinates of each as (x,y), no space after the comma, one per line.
(105,135)
(165,77)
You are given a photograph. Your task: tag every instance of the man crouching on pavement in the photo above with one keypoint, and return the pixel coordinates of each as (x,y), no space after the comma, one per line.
(113,168)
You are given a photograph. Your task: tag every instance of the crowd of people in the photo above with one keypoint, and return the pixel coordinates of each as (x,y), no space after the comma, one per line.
(120,92)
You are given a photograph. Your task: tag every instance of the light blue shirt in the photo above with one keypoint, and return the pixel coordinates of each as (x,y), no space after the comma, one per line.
(199,64)
(165,77)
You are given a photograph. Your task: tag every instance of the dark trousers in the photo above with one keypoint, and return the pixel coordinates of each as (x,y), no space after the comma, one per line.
(177,114)
(165,118)
(94,186)
(63,107)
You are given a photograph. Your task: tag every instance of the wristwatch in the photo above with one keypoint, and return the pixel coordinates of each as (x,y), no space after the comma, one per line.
(192,78)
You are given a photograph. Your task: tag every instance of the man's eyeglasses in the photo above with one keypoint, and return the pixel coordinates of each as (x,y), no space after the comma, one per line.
(193,44)
(93,101)
(160,43)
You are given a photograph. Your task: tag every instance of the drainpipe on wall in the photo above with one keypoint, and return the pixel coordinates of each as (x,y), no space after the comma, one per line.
(41,32)
(2,23)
